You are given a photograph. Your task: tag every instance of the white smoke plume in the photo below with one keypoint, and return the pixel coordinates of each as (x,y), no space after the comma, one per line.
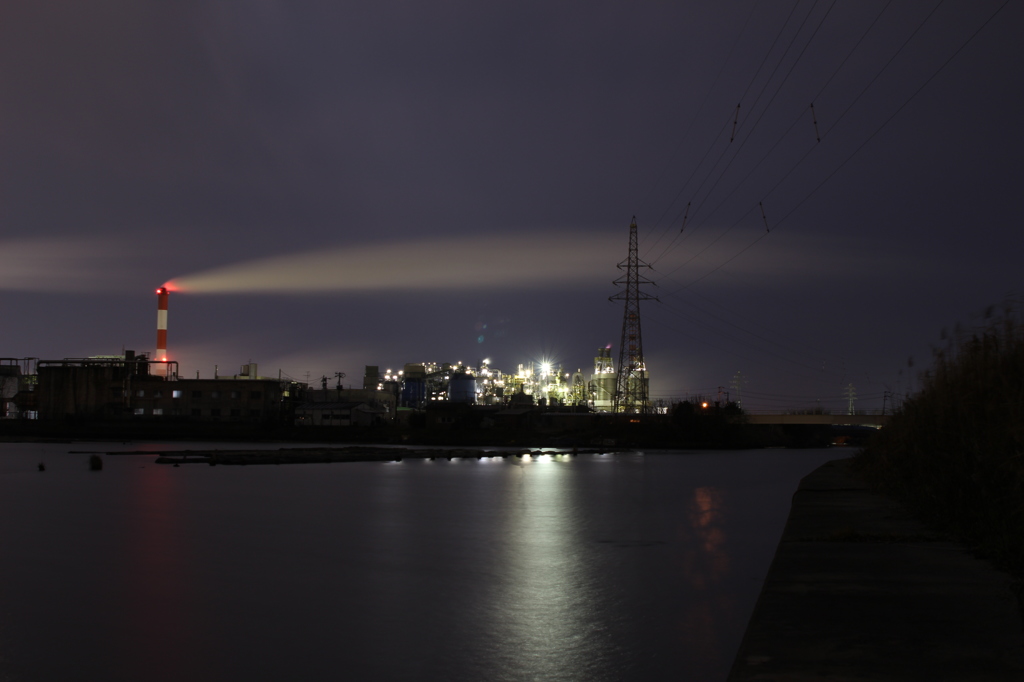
(61,265)
(518,261)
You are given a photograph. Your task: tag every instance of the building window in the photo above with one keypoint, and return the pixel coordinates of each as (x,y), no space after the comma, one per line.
(176,394)
(140,410)
(158,394)
(214,394)
(254,413)
(197,394)
(255,395)
(236,413)
(141,393)
(236,394)
(197,412)
(215,413)
(157,411)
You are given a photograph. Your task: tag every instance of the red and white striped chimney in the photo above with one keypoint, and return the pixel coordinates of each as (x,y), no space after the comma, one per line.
(161,324)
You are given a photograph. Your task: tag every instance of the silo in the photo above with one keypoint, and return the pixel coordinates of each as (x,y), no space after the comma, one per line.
(603,381)
(414,392)
(414,385)
(462,388)
(604,391)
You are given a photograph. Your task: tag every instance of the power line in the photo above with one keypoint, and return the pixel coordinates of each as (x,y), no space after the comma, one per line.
(707,95)
(801,114)
(757,99)
(770,101)
(740,342)
(764,61)
(895,113)
(855,151)
(808,152)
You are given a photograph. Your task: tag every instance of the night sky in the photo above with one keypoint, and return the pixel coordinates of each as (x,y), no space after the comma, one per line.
(333,184)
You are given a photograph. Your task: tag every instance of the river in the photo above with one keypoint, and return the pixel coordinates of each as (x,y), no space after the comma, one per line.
(641,566)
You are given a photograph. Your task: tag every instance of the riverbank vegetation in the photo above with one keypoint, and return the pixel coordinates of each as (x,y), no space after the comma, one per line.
(954,452)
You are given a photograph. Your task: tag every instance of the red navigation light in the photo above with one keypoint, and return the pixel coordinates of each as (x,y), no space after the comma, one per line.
(162,290)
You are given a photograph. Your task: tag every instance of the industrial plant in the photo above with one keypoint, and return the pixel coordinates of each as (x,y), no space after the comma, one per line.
(146,387)
(135,386)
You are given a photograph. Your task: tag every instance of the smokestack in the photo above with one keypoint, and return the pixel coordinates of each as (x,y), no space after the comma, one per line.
(161,324)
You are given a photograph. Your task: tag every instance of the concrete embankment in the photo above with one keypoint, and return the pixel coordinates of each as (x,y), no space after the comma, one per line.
(859,590)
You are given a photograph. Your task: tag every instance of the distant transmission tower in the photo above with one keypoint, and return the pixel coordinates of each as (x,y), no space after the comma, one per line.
(739,381)
(632,384)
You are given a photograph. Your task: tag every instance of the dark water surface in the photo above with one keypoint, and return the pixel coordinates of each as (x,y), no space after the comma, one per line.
(613,567)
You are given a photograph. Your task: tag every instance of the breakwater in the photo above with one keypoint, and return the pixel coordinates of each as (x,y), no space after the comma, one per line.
(861,590)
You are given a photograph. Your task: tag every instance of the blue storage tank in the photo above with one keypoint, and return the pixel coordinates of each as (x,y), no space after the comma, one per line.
(462,388)
(414,392)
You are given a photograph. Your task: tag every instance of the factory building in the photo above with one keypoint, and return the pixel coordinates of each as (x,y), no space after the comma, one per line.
(132,386)
(17,388)
(340,413)
(419,385)
(339,406)
(211,399)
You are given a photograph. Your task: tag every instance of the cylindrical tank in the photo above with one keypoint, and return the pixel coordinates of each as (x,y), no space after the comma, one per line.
(413,370)
(462,388)
(414,391)
(604,391)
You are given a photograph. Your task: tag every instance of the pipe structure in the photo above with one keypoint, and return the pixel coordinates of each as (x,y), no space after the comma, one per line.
(161,324)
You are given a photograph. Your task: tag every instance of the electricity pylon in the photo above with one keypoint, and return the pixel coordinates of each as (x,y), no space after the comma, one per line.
(631,387)
(739,381)
(851,395)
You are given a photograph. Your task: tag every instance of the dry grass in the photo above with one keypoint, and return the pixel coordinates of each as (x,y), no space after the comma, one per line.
(953,452)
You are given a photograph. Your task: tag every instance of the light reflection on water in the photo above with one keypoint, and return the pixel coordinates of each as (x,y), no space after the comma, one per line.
(553,567)
(549,597)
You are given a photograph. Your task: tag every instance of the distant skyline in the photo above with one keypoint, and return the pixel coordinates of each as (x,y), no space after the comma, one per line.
(335,185)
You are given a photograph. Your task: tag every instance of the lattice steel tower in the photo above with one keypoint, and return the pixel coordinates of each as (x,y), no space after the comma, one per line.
(632,384)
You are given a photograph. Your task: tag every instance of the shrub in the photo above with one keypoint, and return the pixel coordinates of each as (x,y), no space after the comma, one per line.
(953,452)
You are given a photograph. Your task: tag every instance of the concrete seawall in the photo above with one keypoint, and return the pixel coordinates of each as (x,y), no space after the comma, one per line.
(859,590)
